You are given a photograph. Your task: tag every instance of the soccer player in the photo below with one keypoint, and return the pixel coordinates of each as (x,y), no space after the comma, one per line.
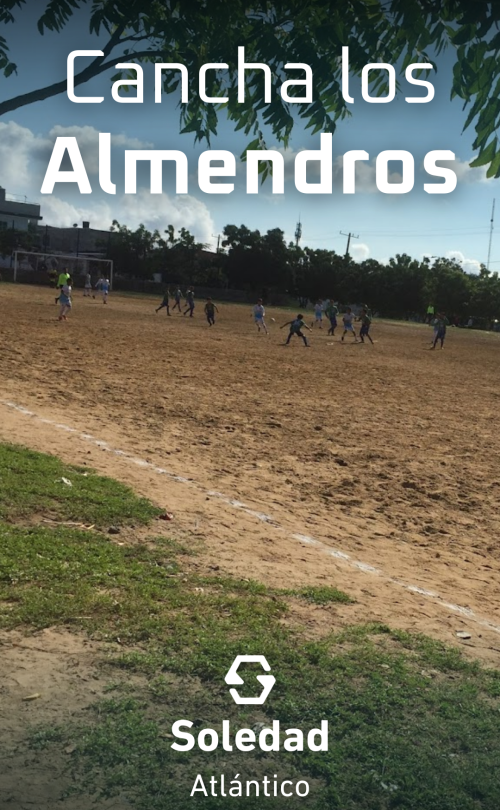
(177,299)
(63,279)
(296,327)
(331,313)
(348,318)
(105,291)
(259,313)
(440,323)
(87,290)
(189,303)
(164,304)
(103,286)
(434,324)
(318,313)
(210,310)
(365,326)
(65,300)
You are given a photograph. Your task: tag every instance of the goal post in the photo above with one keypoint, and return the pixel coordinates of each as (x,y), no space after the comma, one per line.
(26,262)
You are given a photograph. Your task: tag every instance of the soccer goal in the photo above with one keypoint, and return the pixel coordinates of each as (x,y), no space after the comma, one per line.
(51,264)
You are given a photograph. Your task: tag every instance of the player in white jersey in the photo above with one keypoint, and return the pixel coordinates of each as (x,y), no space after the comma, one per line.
(348,321)
(259,314)
(87,290)
(318,313)
(65,301)
(103,286)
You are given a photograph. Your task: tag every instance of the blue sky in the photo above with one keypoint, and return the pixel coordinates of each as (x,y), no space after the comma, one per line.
(455,224)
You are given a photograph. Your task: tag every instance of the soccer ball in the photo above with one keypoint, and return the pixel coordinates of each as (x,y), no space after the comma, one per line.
(273,320)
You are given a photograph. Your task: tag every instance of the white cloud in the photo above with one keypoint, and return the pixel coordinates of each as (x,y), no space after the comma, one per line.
(365,171)
(359,252)
(365,175)
(469,265)
(289,156)
(20,150)
(157,211)
(464,172)
(153,211)
(88,142)
(24,157)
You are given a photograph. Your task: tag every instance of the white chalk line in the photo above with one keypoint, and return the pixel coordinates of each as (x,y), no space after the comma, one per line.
(261,516)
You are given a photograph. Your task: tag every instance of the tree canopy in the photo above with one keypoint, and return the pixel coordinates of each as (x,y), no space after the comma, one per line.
(265,265)
(275,33)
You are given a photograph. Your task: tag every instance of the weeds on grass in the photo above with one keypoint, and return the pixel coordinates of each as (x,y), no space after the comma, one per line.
(320,595)
(42,738)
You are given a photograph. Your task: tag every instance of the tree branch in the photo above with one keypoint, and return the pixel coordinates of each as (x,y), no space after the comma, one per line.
(98,66)
(115,39)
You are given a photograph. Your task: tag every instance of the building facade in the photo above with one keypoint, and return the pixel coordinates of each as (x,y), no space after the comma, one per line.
(73,241)
(17,215)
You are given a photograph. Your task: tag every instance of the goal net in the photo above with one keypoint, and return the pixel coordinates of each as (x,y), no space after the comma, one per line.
(44,268)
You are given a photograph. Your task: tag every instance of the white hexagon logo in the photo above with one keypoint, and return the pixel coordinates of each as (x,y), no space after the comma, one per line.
(233,679)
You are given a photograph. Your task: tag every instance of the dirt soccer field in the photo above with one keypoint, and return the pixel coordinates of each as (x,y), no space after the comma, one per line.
(371,468)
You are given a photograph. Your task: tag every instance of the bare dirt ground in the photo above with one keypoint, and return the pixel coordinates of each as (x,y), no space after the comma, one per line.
(63,671)
(387,454)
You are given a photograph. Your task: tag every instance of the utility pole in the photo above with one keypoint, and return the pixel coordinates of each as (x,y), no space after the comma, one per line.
(218,242)
(492,223)
(349,237)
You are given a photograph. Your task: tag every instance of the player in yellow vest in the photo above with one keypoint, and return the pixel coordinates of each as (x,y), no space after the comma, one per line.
(64,278)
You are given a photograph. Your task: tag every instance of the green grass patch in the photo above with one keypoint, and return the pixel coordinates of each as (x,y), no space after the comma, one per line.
(131,592)
(320,595)
(400,737)
(413,724)
(31,485)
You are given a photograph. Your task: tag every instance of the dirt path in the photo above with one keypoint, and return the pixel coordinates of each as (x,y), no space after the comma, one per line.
(386,454)
(63,671)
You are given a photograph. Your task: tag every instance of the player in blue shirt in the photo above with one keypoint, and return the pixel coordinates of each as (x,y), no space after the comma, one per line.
(296,327)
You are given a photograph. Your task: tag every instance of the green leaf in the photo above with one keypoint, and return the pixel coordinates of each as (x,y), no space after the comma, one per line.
(494,169)
(486,155)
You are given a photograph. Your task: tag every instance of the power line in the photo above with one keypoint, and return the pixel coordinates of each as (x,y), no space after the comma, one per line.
(322,238)
(429,231)
(402,234)
(435,230)
(427,234)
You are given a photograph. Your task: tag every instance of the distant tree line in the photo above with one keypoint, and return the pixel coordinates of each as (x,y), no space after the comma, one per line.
(267,265)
